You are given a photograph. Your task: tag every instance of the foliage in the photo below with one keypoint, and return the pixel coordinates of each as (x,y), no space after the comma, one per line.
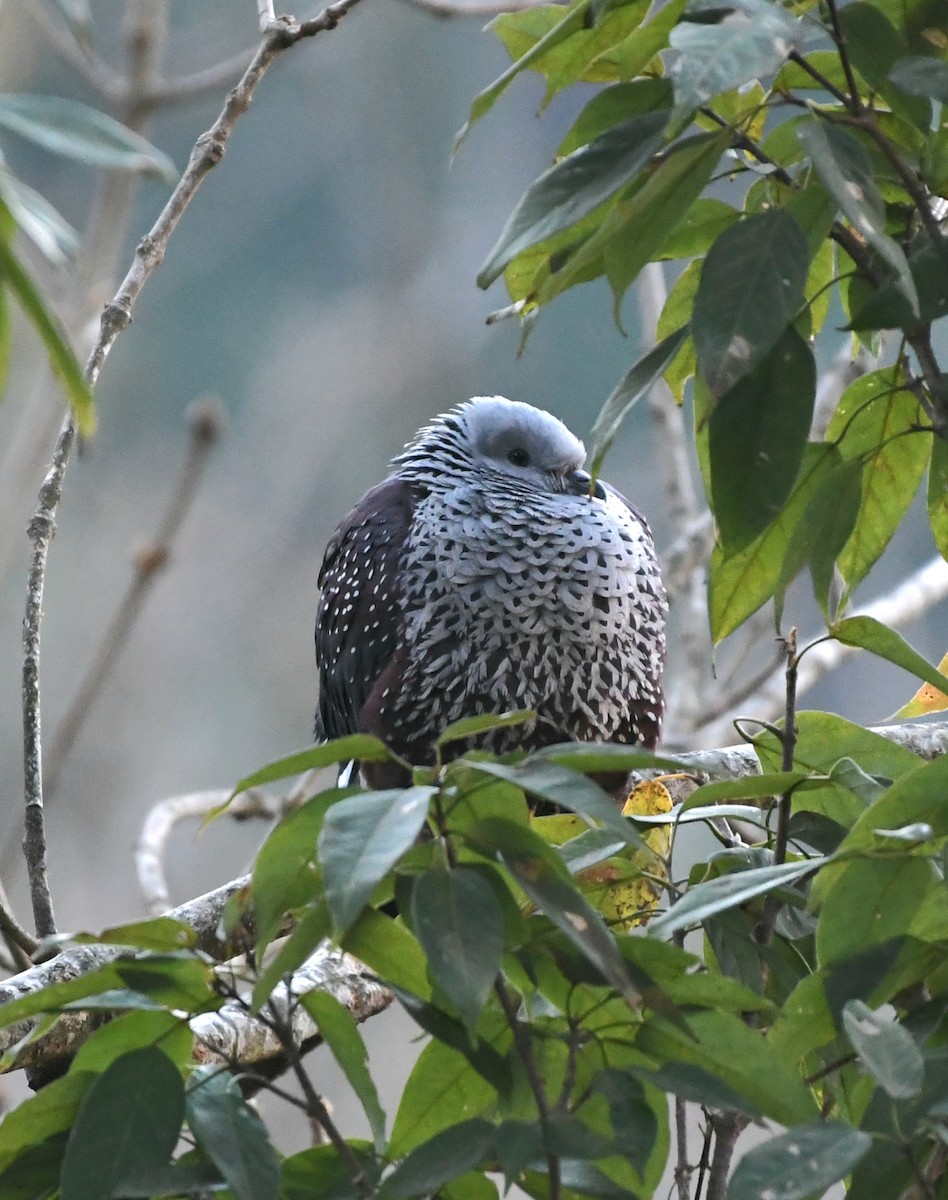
(789,156)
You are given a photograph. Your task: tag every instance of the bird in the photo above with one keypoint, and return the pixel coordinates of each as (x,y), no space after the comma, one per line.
(488,573)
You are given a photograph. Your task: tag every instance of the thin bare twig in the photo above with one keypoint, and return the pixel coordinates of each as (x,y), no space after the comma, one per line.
(208,151)
(204,419)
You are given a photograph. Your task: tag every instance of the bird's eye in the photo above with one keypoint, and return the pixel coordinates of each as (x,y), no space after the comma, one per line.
(519,457)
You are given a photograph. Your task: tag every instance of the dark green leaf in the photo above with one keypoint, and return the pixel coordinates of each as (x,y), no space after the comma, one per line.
(887,1050)
(575,186)
(727,891)
(827,523)
(751,286)
(361,747)
(850,775)
(459,923)
(542,875)
(633,1119)
(127,1126)
(918,796)
(612,106)
(636,383)
(636,224)
(156,933)
(694,1083)
(41,223)
(890,308)
(870,634)
(741,583)
(361,838)
(341,1035)
(320,1173)
(78,131)
(921,76)
(447,1155)
(638,227)
(750,40)
(180,980)
(61,357)
(699,228)
(232,1135)
(844,167)
(57,995)
(757,434)
(799,1164)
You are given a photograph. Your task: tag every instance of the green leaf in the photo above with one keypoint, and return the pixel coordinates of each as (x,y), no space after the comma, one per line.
(319,1173)
(484,100)
(701,225)
(286,874)
(635,225)
(636,383)
(50,1111)
(568,789)
(311,929)
(646,219)
(889,307)
(921,76)
(390,950)
(61,357)
(232,1135)
(127,1126)
(470,726)
(868,902)
(447,1155)
(612,106)
(38,219)
(575,186)
(739,584)
(757,433)
(77,131)
(443,1087)
(844,167)
(750,39)
(361,747)
(916,797)
(155,933)
(938,494)
(875,421)
(361,838)
(132,1031)
(634,1124)
(799,1164)
(703,900)
(751,286)
(543,877)
(730,1051)
(823,532)
(339,1032)
(869,634)
(886,1048)
(459,923)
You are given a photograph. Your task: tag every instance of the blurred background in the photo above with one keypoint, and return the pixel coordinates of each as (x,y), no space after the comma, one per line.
(321,286)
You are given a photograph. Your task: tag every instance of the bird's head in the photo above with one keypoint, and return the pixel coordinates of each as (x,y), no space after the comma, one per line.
(504,439)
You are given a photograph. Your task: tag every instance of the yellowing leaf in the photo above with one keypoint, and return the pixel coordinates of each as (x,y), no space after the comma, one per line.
(928,699)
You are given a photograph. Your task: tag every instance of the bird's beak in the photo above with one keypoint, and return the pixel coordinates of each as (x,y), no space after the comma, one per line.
(579,483)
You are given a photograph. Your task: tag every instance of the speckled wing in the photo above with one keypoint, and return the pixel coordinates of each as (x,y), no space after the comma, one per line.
(358,619)
(647,707)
